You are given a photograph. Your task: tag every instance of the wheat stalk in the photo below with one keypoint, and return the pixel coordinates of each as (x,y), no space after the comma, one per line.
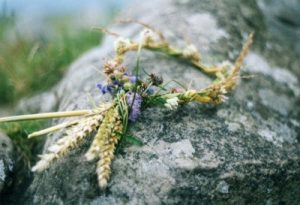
(70,141)
(106,155)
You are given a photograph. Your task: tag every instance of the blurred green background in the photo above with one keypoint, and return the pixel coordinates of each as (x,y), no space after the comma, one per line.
(39,40)
(29,65)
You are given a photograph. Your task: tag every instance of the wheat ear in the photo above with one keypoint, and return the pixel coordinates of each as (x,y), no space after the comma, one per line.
(107,155)
(103,134)
(73,138)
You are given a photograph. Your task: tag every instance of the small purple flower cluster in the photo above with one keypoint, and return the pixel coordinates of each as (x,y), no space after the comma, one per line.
(135,101)
(116,83)
(134,88)
(105,88)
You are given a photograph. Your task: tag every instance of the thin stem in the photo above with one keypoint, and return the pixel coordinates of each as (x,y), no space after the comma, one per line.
(242,55)
(161,36)
(163,87)
(46,115)
(137,70)
(104,30)
(175,52)
(150,84)
(53,129)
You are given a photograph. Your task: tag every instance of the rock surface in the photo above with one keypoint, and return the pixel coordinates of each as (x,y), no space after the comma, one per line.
(282,18)
(245,151)
(6,163)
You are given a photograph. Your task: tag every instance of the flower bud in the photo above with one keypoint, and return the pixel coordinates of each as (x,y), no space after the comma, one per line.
(191,52)
(122,45)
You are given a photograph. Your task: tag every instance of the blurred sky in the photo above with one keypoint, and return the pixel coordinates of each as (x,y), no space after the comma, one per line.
(51,7)
(32,16)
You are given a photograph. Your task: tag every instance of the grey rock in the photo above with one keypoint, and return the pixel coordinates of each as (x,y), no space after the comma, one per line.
(6,163)
(245,151)
(223,187)
(283,20)
(279,103)
(44,102)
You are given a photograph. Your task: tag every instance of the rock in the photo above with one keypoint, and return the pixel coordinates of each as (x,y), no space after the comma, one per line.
(282,18)
(245,151)
(6,164)
(34,105)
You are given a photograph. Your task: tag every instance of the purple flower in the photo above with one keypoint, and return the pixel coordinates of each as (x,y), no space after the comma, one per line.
(117,82)
(99,86)
(134,100)
(105,88)
(133,79)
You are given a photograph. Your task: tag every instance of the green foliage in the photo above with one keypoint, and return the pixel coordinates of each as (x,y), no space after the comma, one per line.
(127,140)
(30,65)
(130,139)
(153,101)
(18,133)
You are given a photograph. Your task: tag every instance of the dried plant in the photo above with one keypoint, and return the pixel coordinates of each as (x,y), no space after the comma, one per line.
(132,93)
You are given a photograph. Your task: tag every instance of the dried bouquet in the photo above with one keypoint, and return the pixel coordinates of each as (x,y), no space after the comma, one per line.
(131,94)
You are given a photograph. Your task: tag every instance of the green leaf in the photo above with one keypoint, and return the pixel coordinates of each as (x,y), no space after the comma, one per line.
(154,101)
(132,140)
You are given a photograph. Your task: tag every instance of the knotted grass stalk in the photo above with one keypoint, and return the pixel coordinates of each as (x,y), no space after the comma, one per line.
(154,40)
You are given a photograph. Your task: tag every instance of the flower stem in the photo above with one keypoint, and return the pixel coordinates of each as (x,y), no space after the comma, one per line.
(45,115)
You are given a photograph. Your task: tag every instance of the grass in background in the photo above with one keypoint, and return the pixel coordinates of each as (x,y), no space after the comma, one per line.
(32,65)
(18,133)
(29,66)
